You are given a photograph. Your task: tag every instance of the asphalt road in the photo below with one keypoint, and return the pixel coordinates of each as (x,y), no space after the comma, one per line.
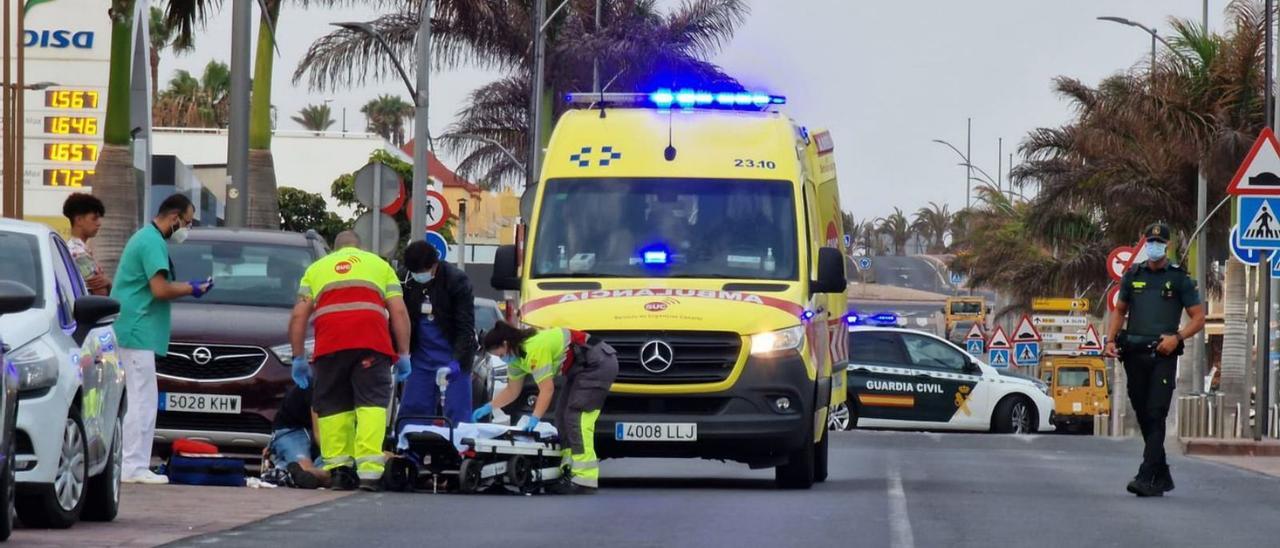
(885,489)
(910,272)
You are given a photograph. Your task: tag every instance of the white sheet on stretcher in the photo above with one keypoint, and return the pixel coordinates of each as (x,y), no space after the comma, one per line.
(473,431)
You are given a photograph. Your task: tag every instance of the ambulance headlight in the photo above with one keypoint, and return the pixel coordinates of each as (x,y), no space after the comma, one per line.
(777,341)
(285,351)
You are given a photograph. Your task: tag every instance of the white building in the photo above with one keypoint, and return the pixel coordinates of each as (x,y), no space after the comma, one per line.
(305,160)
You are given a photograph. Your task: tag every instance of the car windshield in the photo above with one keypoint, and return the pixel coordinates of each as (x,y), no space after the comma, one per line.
(486,316)
(676,228)
(1069,377)
(21,261)
(966,308)
(243,274)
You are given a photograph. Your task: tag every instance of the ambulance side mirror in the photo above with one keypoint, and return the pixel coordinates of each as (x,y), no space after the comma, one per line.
(506,269)
(830,277)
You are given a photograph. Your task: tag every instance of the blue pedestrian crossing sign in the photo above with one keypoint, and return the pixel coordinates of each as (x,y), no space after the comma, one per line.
(974,347)
(1026,354)
(1256,218)
(1249,257)
(999,357)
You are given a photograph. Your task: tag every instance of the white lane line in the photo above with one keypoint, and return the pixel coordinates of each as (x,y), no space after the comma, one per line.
(899,522)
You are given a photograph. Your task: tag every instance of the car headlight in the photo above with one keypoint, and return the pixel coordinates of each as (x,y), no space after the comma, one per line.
(1042,387)
(37,365)
(777,341)
(285,351)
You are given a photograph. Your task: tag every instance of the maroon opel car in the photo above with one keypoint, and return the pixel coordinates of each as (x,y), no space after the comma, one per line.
(228,363)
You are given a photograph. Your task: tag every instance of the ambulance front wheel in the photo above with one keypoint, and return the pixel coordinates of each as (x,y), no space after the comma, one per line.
(469,476)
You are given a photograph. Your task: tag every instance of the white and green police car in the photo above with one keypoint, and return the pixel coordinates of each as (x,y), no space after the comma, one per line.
(906,379)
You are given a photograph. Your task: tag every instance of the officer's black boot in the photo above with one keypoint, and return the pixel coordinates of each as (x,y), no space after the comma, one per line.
(1163,479)
(1143,484)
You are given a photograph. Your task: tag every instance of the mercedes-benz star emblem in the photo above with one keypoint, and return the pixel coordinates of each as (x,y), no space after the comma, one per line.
(201,355)
(657,356)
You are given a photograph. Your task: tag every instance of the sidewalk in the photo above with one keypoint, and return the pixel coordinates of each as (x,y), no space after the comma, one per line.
(154,515)
(1262,457)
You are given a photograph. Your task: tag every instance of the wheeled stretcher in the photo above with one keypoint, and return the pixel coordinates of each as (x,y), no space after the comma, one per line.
(432,454)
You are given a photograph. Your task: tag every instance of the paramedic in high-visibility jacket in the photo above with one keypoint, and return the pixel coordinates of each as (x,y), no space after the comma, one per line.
(588,366)
(351,294)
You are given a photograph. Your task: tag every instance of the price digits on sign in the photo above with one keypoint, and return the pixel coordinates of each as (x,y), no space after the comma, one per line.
(71,125)
(66,177)
(71,98)
(71,152)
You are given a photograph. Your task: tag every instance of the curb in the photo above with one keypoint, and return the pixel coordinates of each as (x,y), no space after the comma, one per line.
(1230,447)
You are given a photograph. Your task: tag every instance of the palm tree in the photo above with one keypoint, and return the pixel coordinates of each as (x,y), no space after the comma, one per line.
(189,102)
(637,43)
(163,35)
(315,118)
(386,116)
(933,222)
(113,179)
(898,229)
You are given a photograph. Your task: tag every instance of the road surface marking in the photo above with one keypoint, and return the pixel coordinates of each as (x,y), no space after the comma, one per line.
(899,523)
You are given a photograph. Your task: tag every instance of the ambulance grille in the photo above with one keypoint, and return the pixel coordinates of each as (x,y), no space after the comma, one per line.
(697,356)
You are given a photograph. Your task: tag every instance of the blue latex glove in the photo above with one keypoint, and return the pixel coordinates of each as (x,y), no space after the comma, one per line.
(482,412)
(402,368)
(301,372)
(200,287)
(533,423)
(455,371)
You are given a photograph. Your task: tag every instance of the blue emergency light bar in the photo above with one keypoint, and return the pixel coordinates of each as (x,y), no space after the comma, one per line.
(881,319)
(683,98)
(655,257)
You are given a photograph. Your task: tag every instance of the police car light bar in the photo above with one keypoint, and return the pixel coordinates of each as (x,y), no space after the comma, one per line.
(684,98)
(882,319)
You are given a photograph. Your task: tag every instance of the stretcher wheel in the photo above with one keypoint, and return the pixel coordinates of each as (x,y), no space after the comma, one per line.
(519,472)
(399,475)
(469,476)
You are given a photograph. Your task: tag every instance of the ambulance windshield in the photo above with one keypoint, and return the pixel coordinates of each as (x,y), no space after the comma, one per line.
(674,228)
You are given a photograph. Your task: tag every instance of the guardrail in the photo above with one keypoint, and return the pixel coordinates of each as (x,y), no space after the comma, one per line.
(1202,416)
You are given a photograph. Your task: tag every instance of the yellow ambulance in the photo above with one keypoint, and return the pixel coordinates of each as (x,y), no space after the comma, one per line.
(698,234)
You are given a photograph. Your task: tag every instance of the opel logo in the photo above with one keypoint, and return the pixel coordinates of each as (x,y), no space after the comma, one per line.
(656,356)
(201,355)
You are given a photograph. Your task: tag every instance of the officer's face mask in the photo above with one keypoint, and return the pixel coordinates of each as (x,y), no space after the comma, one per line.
(1156,250)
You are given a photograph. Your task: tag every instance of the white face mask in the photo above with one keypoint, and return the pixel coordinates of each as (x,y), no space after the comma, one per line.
(178,236)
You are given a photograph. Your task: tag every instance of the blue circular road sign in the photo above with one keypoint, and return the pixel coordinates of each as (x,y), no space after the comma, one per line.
(437,241)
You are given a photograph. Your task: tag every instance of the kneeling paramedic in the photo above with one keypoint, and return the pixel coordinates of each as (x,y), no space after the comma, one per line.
(442,315)
(589,367)
(1153,296)
(352,294)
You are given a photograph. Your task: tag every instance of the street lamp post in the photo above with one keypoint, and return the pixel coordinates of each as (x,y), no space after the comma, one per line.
(505,151)
(421,133)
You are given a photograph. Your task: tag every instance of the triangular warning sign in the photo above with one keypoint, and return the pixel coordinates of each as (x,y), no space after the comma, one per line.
(1091,341)
(975,333)
(1259,173)
(1025,331)
(998,340)
(1027,356)
(1263,225)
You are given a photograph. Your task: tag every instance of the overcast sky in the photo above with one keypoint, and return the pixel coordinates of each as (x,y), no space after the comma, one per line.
(885,76)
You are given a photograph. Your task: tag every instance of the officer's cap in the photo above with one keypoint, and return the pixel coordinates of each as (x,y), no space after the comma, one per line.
(1157,231)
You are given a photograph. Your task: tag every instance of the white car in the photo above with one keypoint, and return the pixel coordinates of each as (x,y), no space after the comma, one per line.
(71,397)
(907,379)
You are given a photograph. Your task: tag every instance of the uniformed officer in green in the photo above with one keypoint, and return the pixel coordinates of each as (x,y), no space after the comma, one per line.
(1153,296)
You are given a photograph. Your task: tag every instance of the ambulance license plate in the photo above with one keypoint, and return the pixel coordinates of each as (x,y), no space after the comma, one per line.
(200,403)
(656,431)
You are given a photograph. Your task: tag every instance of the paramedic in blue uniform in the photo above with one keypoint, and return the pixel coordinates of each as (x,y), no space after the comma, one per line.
(442,314)
(1153,296)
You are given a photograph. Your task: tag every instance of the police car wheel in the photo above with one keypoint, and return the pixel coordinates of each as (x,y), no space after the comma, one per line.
(840,418)
(1014,415)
